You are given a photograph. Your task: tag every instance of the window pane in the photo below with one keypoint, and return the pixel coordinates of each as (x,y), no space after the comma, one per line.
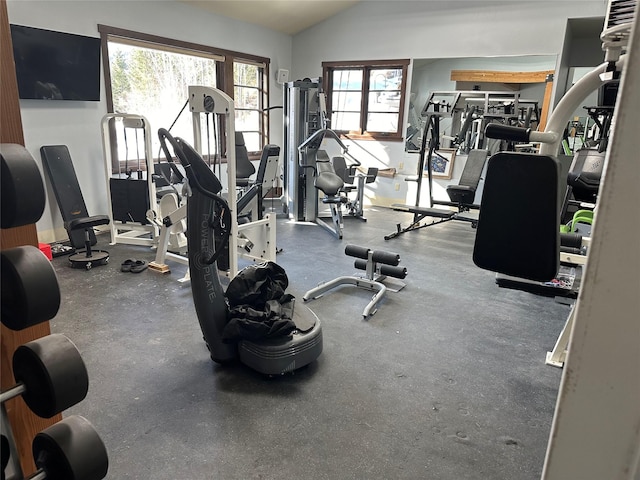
(384,101)
(385,79)
(246,97)
(247,120)
(246,75)
(153,83)
(345,121)
(382,122)
(347,80)
(346,101)
(252,141)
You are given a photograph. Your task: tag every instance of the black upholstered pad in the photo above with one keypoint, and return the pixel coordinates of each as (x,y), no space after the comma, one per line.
(427,212)
(518,226)
(88,222)
(465,191)
(58,165)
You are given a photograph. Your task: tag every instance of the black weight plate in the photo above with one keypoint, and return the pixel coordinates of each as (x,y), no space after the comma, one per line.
(29,288)
(71,450)
(5,450)
(53,373)
(23,196)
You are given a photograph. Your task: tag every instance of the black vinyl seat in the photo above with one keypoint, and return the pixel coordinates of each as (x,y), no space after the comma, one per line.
(244,167)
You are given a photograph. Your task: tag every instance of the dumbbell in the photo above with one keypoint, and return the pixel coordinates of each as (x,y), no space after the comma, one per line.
(70,450)
(50,374)
(30,291)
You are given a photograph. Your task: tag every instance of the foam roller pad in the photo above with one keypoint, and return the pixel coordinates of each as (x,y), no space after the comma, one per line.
(356,251)
(387,258)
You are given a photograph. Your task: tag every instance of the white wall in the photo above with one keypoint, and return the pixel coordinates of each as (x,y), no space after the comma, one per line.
(77,124)
(432,29)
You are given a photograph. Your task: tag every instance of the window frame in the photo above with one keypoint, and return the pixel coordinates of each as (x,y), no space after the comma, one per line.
(224,68)
(263,100)
(328,68)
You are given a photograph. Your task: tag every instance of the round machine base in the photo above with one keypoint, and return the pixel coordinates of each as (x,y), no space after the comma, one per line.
(277,357)
(80,259)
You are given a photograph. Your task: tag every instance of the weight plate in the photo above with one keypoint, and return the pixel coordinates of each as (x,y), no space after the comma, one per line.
(29,288)
(22,194)
(71,450)
(53,373)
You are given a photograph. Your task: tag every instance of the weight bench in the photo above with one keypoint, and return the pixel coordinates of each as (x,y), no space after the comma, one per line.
(378,266)
(77,222)
(462,197)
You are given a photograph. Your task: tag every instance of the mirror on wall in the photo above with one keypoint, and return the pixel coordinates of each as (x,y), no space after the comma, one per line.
(509,89)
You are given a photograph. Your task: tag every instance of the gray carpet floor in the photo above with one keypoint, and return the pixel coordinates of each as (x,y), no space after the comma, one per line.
(446,381)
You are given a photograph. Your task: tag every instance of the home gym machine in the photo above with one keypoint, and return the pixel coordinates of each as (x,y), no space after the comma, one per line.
(211,225)
(309,170)
(533,179)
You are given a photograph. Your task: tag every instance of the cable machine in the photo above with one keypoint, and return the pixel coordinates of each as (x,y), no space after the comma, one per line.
(130,188)
(254,241)
(303,107)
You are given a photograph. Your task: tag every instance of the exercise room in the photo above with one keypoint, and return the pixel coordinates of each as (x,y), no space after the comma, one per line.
(320,240)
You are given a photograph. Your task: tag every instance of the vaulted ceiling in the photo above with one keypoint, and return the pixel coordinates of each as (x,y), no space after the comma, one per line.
(287,16)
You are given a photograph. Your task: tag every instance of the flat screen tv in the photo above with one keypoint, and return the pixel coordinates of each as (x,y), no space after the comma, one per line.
(55,65)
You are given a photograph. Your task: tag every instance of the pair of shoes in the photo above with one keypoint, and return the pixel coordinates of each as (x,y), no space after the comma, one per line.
(132,265)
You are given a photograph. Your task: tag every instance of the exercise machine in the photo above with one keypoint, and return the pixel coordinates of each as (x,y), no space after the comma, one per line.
(462,195)
(378,265)
(131,184)
(354,180)
(302,105)
(254,241)
(534,179)
(325,180)
(311,176)
(211,227)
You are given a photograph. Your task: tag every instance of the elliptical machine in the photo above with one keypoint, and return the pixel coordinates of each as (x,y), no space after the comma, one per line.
(208,230)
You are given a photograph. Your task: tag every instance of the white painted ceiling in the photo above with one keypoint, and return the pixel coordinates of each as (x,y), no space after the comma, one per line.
(287,16)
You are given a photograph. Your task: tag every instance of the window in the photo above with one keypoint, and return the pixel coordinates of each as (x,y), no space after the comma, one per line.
(366,99)
(250,98)
(150,75)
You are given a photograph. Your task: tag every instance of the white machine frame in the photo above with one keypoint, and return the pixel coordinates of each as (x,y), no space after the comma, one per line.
(130,233)
(254,241)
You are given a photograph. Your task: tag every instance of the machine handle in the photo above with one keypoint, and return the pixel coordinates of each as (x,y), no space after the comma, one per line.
(505,132)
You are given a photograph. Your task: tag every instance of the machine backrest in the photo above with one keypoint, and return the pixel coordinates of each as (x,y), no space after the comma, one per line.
(244,167)
(347,174)
(518,226)
(59,167)
(473,168)
(268,167)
